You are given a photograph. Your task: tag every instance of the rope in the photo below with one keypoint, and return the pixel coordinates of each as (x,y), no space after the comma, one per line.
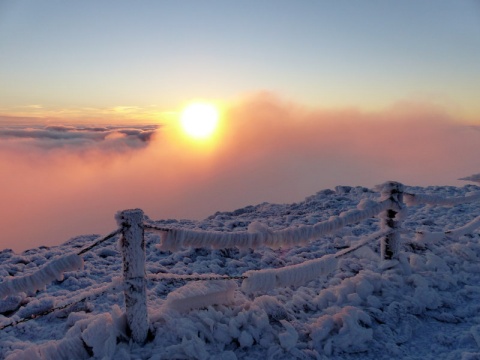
(99,291)
(207,277)
(171,277)
(36,316)
(425,199)
(155,227)
(361,243)
(176,277)
(101,240)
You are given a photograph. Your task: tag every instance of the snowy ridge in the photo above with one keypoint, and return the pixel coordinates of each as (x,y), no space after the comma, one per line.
(257,236)
(425,305)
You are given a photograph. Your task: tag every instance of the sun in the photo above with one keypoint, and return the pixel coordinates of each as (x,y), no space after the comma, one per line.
(199,120)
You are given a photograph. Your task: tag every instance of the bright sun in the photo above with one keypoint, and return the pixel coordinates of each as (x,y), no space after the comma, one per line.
(199,120)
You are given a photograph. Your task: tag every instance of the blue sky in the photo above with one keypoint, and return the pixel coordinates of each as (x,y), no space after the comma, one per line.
(158,55)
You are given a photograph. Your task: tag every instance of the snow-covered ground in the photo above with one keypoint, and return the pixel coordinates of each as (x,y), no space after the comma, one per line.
(424,306)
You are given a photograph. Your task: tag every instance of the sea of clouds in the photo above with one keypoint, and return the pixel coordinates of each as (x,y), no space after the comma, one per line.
(61,180)
(77,137)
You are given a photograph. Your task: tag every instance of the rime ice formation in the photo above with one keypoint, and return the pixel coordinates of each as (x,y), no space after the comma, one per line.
(175,239)
(428,237)
(466,229)
(293,275)
(422,305)
(420,199)
(54,270)
(201,294)
(86,336)
(132,243)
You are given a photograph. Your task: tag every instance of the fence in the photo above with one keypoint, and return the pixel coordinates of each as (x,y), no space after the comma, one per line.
(390,208)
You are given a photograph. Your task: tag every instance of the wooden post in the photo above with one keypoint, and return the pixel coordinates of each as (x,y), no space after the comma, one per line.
(392,219)
(133,251)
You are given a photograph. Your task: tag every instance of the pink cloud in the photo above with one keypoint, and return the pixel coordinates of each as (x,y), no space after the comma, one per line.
(270,150)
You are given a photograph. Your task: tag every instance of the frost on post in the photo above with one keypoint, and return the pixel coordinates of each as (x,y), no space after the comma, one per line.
(391,218)
(133,251)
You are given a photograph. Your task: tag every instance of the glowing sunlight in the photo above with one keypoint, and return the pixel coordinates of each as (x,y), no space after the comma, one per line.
(199,120)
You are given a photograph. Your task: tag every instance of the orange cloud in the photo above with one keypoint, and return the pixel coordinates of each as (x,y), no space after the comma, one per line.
(269,150)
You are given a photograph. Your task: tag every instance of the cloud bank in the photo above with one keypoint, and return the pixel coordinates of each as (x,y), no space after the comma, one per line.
(78,137)
(267,150)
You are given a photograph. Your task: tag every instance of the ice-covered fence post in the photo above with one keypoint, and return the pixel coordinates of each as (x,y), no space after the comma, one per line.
(392,218)
(133,251)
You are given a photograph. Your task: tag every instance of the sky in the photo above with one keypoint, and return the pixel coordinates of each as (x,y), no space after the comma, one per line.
(312,94)
(152,56)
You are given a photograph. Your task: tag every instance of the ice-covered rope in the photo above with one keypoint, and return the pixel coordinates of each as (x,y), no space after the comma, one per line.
(419,199)
(259,235)
(39,315)
(147,227)
(70,302)
(375,236)
(468,228)
(31,283)
(201,295)
(264,280)
(465,229)
(101,240)
(300,274)
(197,277)
(258,273)
(268,279)
(53,270)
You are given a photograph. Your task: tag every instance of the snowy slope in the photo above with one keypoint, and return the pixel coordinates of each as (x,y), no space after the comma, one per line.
(424,307)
